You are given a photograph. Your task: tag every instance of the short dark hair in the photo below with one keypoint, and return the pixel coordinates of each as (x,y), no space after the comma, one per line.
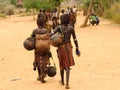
(40,10)
(62,11)
(40,22)
(65,19)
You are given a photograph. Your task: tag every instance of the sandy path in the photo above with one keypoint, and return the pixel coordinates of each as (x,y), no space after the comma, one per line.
(98,68)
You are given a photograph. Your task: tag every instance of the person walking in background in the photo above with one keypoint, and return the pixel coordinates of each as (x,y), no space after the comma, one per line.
(40,14)
(74,9)
(68,10)
(72,16)
(55,18)
(62,11)
(64,51)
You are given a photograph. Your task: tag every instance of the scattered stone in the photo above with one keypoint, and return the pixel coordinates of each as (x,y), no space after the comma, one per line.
(15,79)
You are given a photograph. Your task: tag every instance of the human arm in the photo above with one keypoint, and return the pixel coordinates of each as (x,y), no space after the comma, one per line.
(57,29)
(32,34)
(77,51)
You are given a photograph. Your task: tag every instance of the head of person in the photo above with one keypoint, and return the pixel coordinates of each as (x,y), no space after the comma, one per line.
(44,11)
(74,6)
(68,7)
(62,11)
(92,14)
(71,10)
(40,22)
(65,19)
(40,10)
(55,10)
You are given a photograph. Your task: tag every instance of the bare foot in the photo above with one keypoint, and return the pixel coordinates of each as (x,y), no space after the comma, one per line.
(38,78)
(43,81)
(67,87)
(62,83)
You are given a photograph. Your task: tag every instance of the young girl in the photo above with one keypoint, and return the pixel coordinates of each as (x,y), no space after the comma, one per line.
(43,58)
(64,51)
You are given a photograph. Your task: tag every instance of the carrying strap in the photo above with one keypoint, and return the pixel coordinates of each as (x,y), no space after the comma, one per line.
(64,32)
(53,62)
(61,29)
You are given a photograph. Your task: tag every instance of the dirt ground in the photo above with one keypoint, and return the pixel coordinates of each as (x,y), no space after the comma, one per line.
(98,68)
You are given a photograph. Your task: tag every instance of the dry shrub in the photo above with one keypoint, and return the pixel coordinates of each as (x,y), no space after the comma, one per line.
(9,10)
(113,13)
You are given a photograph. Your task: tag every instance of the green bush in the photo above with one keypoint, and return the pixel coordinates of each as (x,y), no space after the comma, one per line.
(113,13)
(116,18)
(2,15)
(10,10)
(108,14)
(25,14)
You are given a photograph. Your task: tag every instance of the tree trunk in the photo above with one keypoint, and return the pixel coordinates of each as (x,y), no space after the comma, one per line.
(33,13)
(58,9)
(101,8)
(88,14)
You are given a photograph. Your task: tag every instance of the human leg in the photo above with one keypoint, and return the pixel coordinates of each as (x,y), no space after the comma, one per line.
(67,77)
(62,76)
(39,73)
(45,62)
(35,62)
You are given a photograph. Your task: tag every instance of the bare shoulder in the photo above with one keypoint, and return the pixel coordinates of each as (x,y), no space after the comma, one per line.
(70,27)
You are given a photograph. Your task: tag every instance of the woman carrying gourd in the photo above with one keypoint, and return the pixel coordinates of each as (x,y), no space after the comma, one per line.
(64,51)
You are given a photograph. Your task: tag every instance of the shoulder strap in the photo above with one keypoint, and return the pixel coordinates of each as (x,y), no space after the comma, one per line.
(61,29)
(62,32)
(53,62)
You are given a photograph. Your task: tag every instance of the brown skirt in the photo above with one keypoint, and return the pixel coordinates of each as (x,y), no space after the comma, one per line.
(65,55)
